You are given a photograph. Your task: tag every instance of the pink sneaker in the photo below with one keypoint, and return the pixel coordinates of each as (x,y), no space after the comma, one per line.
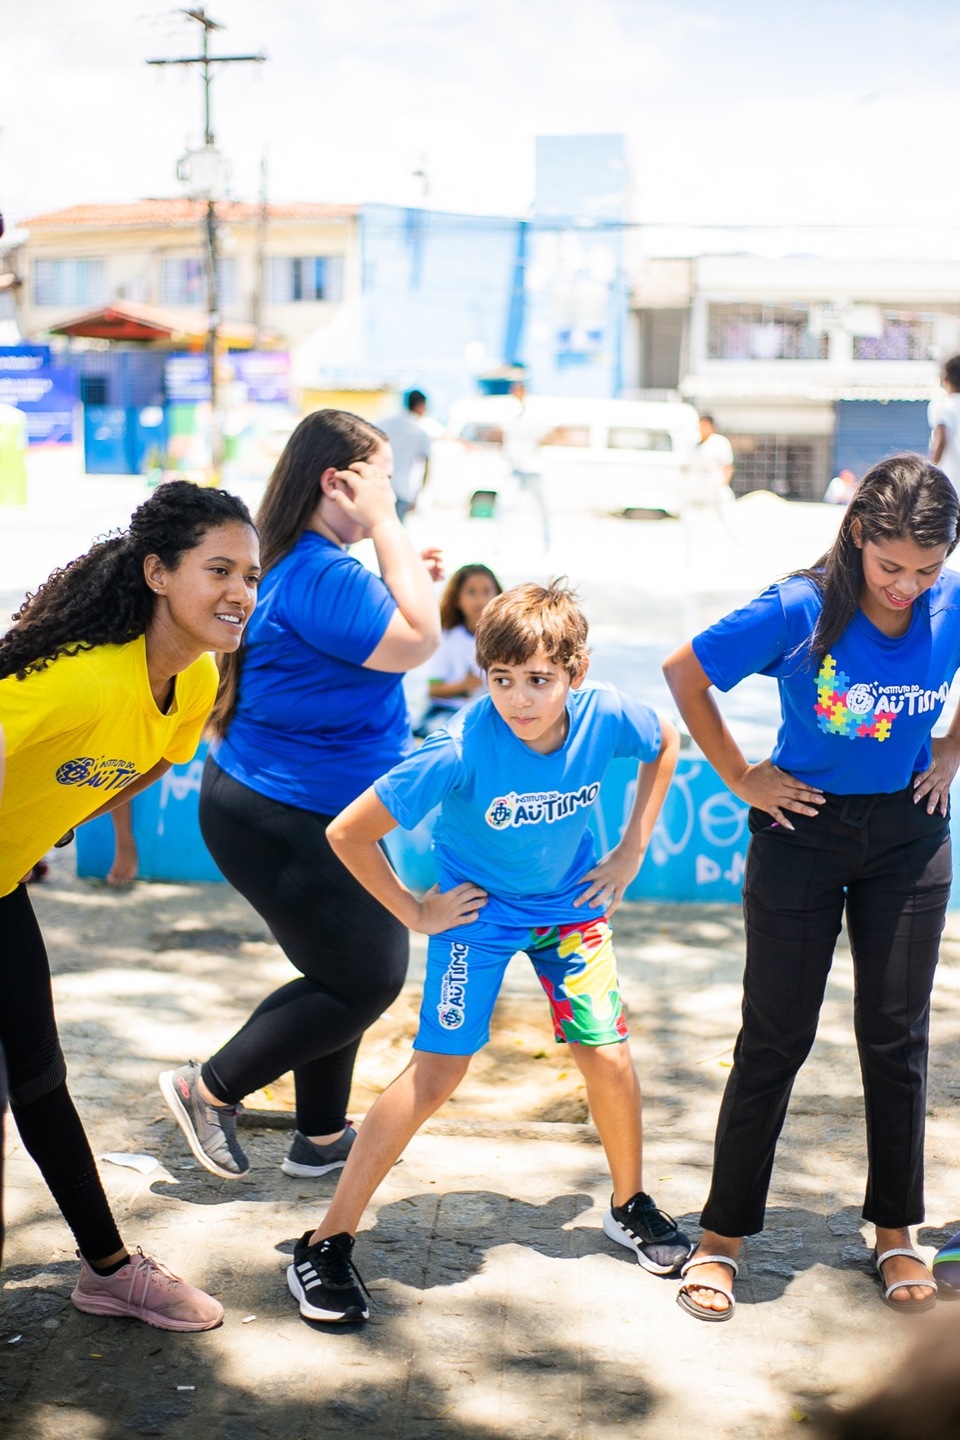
(146,1290)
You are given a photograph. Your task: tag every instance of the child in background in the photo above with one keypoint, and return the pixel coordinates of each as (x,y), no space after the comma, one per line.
(517,776)
(456,678)
(126,860)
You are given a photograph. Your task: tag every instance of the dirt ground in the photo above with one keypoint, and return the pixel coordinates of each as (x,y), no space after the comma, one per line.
(499,1308)
(522,1058)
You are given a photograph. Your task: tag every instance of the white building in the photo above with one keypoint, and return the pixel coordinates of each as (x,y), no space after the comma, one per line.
(814,350)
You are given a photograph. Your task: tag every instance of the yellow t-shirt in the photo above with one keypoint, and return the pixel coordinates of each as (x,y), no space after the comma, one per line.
(79,731)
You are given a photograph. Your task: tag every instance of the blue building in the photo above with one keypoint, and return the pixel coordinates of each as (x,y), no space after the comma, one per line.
(448,298)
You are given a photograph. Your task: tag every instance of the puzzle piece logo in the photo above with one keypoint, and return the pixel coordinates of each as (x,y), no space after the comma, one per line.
(849,710)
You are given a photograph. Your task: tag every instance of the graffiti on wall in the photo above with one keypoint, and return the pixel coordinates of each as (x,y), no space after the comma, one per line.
(699,843)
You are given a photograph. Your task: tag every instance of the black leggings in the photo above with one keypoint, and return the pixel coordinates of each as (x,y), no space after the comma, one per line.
(49,1126)
(886,862)
(350,951)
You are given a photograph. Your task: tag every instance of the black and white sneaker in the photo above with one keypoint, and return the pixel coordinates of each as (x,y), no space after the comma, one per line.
(654,1236)
(325,1280)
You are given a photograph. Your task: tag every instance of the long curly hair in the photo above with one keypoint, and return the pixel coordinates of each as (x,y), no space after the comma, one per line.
(903,497)
(323,440)
(102,598)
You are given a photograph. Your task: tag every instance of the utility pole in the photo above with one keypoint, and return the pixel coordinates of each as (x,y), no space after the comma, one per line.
(261,282)
(205,172)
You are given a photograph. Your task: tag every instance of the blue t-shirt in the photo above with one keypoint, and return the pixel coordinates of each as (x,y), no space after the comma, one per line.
(514,821)
(860,722)
(312,727)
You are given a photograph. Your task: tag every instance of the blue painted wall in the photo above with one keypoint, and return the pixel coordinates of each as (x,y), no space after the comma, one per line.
(576,290)
(448,296)
(436,297)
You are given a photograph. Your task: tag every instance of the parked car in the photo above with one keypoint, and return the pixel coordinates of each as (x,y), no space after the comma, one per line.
(611,456)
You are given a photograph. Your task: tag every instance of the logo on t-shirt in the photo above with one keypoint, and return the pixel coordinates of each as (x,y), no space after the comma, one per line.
(453,988)
(539,806)
(102,774)
(867,710)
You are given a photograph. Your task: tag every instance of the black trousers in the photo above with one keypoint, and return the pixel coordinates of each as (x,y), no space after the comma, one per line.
(351,953)
(886,862)
(49,1126)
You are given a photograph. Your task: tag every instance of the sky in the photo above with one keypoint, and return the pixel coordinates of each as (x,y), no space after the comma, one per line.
(739,112)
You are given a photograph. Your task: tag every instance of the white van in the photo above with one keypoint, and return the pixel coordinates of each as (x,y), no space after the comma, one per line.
(611,456)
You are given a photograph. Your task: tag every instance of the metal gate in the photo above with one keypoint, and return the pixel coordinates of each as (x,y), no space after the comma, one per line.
(867,430)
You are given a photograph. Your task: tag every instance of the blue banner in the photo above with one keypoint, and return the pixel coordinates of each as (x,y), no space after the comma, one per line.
(44,388)
(265,374)
(187,379)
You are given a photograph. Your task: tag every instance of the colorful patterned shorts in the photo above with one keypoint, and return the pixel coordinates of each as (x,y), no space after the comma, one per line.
(576,966)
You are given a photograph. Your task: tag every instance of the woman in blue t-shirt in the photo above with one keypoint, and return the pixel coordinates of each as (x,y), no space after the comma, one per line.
(311,713)
(849,815)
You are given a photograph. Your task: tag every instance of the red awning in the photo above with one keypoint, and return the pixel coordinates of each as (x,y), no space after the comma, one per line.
(125,320)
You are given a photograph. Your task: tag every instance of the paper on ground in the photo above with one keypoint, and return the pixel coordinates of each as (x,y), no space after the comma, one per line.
(146,1164)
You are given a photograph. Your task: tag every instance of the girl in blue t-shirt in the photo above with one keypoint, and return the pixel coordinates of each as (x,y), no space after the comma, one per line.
(310,714)
(848,817)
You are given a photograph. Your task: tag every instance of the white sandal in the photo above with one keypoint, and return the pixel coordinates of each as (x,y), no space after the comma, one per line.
(699,1312)
(906,1307)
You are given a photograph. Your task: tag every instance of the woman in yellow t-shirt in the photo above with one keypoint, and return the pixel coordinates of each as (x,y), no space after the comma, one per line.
(105,681)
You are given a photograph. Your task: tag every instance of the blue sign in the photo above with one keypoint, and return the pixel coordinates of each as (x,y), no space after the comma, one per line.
(45,390)
(264,373)
(187,379)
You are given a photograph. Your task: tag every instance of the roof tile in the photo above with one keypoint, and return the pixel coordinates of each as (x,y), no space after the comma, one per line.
(184,212)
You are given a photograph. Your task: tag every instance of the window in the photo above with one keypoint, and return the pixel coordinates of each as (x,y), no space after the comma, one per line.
(632,438)
(291,279)
(568,436)
(902,337)
(763,332)
(69,282)
(183,280)
(475,432)
(93,390)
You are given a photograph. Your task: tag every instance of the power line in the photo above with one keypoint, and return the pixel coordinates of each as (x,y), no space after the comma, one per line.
(213,170)
(206,61)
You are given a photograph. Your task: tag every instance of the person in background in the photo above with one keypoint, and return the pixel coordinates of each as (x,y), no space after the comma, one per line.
(943,416)
(410,445)
(456,678)
(308,715)
(841,489)
(522,436)
(105,681)
(848,820)
(123,870)
(707,495)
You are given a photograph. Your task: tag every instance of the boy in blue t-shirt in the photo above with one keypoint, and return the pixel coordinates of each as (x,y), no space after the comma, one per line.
(516,777)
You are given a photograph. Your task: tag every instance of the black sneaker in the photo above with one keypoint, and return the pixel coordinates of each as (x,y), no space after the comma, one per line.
(308,1160)
(325,1281)
(654,1236)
